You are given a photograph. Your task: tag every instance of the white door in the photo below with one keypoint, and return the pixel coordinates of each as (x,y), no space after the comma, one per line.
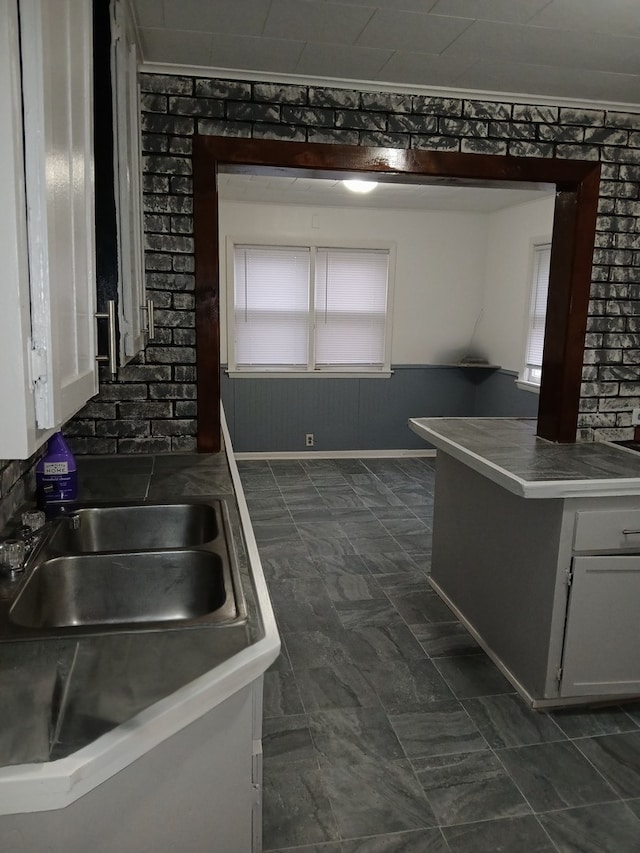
(602,636)
(57,87)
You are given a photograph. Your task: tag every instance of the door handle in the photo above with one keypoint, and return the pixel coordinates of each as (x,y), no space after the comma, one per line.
(110,316)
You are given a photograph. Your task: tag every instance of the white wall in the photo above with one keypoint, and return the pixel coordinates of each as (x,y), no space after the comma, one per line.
(462,278)
(439,265)
(511,234)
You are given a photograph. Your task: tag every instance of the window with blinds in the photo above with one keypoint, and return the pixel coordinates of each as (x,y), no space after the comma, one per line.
(310,308)
(537,313)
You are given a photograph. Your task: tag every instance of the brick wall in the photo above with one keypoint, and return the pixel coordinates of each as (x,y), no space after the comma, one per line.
(152,407)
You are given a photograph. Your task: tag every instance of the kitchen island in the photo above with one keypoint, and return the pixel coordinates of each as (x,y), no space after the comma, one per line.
(536,549)
(142,740)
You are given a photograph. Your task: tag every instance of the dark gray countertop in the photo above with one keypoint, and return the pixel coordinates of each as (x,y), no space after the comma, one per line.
(508,451)
(59,695)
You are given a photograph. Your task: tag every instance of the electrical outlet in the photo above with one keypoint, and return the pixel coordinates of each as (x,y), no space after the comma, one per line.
(309,439)
(635,417)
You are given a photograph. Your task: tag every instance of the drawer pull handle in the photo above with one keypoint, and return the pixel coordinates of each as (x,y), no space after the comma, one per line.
(629,532)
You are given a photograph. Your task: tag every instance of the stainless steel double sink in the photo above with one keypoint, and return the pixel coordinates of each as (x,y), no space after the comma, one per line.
(130,566)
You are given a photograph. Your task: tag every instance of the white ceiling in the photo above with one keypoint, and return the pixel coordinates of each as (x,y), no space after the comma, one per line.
(332,193)
(552,49)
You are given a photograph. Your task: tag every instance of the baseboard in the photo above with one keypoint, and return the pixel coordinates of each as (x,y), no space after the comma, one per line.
(335,454)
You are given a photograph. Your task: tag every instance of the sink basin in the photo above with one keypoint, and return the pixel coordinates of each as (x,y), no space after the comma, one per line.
(137,526)
(126,567)
(103,589)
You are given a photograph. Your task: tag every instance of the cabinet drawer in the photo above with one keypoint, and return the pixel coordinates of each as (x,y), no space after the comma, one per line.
(610,530)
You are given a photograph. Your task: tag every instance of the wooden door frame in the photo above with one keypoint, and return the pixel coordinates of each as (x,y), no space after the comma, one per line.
(576,183)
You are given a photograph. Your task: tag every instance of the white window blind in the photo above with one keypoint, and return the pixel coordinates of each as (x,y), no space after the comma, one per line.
(351,307)
(308,308)
(272,306)
(537,312)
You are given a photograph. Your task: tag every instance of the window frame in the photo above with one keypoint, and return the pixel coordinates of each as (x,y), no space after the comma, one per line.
(524,380)
(270,371)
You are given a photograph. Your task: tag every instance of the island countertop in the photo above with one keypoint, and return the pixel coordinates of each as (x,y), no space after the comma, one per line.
(77,711)
(508,452)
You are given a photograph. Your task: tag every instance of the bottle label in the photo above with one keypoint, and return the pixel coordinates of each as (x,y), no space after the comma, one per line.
(52,468)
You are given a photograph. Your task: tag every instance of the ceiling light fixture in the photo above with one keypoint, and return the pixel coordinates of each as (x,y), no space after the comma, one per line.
(358,186)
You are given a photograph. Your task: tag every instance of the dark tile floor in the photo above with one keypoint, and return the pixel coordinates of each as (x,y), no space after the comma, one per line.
(387,729)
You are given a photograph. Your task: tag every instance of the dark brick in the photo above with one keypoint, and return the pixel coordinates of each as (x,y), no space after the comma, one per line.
(171,355)
(358,120)
(627,206)
(486,109)
(144,373)
(186,409)
(173,427)
(183,301)
(622,341)
(184,373)
(606,205)
(223,89)
(483,146)
(385,102)
(618,189)
(413,123)
(170,125)
(181,145)
(182,225)
(462,127)
(183,263)
(159,297)
(568,115)
(280,93)
(630,173)
(561,134)
(168,243)
(153,103)
(171,281)
(331,137)
(435,143)
(154,143)
(155,184)
(166,84)
(308,116)
(145,409)
(154,261)
(542,114)
(82,428)
(606,324)
(599,389)
(253,112)
(172,391)
(159,223)
(99,446)
(168,204)
(606,136)
(519,148)
(183,443)
(174,319)
(123,391)
(425,105)
(279,131)
(616,223)
(512,130)
(326,97)
(167,165)
(180,185)
(123,429)
(224,128)
(620,155)
(384,140)
(162,337)
(628,120)
(183,337)
(577,152)
(196,107)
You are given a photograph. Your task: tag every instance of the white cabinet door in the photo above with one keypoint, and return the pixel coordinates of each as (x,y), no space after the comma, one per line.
(57,86)
(127,172)
(602,636)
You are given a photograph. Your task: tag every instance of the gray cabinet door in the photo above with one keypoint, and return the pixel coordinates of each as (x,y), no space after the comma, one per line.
(602,637)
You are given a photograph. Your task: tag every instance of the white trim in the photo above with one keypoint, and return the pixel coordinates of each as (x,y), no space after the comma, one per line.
(380,86)
(270,373)
(524,385)
(335,454)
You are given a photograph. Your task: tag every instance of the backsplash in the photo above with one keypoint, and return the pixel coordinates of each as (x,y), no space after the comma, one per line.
(152,407)
(17,485)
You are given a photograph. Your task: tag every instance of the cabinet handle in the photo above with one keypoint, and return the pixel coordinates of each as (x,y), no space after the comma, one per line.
(151,327)
(110,316)
(629,532)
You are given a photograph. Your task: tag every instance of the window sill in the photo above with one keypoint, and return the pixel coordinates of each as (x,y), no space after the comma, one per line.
(308,374)
(532,387)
